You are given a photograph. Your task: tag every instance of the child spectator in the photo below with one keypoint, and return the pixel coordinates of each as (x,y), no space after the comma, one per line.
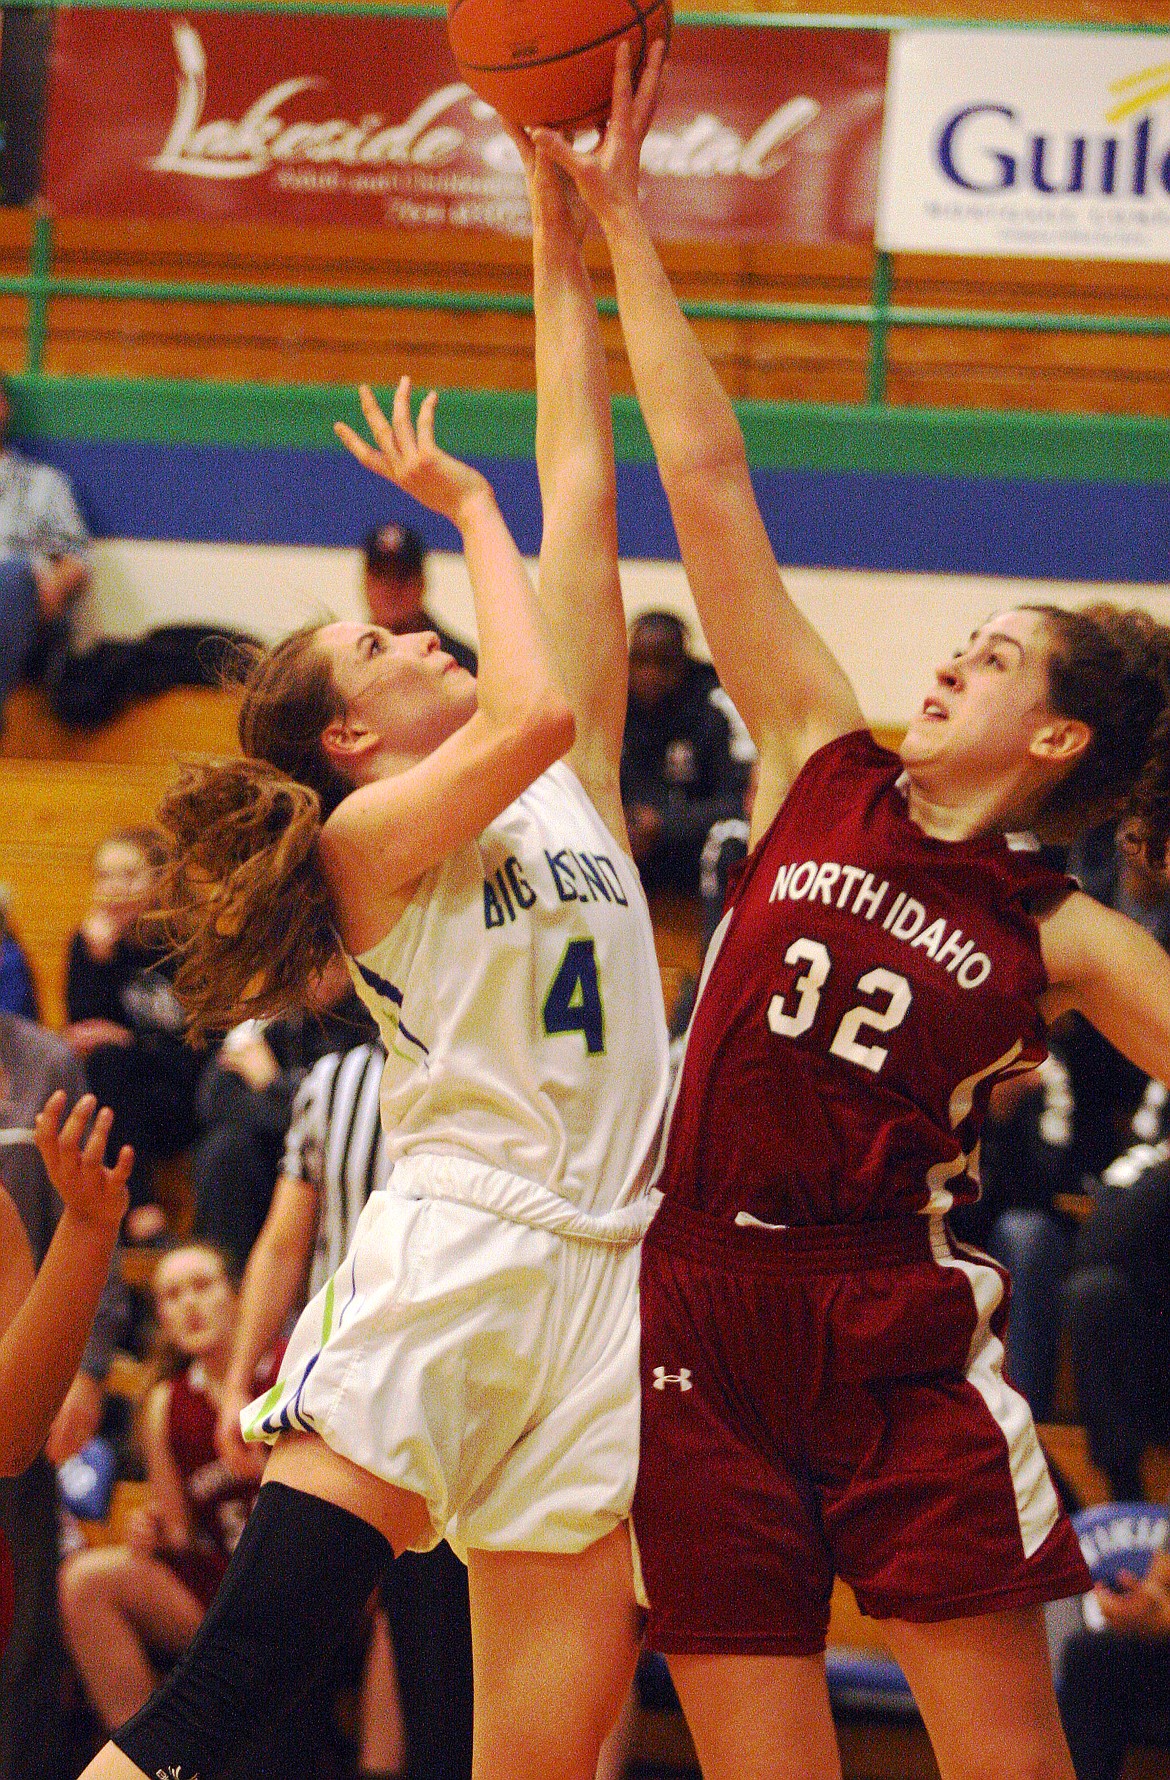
(122,1606)
(685,756)
(125,1023)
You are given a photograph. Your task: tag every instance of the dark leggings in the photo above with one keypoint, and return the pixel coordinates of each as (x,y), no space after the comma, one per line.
(300,1578)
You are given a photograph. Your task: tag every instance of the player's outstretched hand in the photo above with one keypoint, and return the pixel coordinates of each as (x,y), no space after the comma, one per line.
(407,455)
(607,176)
(557,205)
(76,1162)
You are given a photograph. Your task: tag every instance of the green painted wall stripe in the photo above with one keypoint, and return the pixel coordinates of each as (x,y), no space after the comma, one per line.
(780,435)
(819,21)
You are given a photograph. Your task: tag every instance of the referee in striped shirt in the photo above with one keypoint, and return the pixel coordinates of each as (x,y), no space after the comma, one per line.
(334,1158)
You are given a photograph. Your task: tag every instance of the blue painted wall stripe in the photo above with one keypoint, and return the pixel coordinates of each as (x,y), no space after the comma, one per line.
(817,518)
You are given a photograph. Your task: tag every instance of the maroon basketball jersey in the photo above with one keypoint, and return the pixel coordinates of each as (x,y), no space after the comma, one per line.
(866,989)
(217,1502)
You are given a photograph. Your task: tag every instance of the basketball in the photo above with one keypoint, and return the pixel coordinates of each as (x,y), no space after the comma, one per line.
(551,61)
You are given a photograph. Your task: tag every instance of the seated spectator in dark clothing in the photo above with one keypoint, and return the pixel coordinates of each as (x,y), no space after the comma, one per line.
(396,588)
(125,1023)
(685,755)
(1117,1306)
(18,994)
(1115,1682)
(44,561)
(245,1102)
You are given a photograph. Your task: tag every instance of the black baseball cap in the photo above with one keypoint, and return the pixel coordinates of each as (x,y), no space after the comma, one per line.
(394,553)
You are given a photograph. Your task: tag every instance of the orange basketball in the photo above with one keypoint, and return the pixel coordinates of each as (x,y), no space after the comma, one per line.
(551,61)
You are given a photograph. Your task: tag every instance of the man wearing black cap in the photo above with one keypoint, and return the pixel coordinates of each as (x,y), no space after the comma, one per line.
(395,580)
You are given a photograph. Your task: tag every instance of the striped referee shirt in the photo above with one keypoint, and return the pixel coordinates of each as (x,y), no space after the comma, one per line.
(336,1145)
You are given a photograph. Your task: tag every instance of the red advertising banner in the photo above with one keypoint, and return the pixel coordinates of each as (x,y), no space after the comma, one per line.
(762,134)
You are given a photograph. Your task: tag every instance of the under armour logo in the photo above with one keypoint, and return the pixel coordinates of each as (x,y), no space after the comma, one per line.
(172,1774)
(681,1378)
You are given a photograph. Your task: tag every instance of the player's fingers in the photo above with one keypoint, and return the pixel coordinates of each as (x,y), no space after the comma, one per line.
(359,447)
(646,97)
(523,143)
(426,421)
(549,143)
(400,421)
(94,1152)
(74,1127)
(623,93)
(48,1120)
(120,1172)
(377,422)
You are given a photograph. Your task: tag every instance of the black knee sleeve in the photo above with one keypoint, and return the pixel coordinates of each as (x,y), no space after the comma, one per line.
(302,1573)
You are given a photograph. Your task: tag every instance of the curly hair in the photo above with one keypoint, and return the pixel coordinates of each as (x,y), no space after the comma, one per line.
(243,903)
(1109,667)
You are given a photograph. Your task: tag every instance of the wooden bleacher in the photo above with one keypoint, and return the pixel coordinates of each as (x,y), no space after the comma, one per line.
(62,793)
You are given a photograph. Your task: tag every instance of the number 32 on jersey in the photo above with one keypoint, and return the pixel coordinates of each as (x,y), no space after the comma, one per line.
(793,1014)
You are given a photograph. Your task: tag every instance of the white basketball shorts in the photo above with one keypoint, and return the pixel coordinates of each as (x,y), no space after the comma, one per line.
(488,1365)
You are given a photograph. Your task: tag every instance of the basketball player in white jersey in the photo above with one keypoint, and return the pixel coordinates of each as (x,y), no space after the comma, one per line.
(472,1368)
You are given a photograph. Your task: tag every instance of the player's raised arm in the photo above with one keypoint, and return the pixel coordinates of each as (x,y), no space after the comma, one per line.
(790,690)
(45,1323)
(578,588)
(392,828)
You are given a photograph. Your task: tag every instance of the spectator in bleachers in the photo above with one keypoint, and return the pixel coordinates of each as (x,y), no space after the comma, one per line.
(18,993)
(125,1023)
(334,1158)
(124,1606)
(35,1064)
(44,561)
(1117,1306)
(396,587)
(685,755)
(244,1102)
(1115,1680)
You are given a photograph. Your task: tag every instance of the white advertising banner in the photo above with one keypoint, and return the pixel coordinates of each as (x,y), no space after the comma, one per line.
(1046,144)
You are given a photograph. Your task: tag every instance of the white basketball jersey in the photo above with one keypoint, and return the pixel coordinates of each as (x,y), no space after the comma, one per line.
(519,1000)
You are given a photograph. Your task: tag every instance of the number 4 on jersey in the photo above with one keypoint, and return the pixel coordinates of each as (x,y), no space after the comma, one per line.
(573,1003)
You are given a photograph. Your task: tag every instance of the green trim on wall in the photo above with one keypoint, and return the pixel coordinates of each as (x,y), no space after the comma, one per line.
(393,9)
(1012,446)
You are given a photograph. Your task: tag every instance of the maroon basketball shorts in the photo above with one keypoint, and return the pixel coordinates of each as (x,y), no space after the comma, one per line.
(831,1401)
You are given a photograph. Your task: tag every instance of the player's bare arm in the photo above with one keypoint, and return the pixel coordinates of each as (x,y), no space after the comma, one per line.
(388,832)
(785,682)
(48,1321)
(578,585)
(1109,969)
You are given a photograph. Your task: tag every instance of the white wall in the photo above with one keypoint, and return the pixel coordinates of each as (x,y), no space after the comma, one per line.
(888,630)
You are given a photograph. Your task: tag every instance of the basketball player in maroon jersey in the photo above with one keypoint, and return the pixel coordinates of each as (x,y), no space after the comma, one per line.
(823,1391)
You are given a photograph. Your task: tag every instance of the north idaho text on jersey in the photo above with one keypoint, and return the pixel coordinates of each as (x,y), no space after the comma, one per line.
(852,890)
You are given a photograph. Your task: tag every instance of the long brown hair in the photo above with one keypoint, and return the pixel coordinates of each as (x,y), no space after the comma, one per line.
(1109,667)
(243,904)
